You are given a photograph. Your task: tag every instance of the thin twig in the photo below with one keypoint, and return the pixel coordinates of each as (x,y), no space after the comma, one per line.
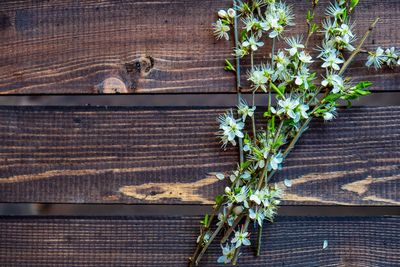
(259,238)
(359,47)
(238,79)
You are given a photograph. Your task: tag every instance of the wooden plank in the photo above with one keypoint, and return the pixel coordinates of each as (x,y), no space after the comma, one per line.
(165,155)
(291,241)
(143,46)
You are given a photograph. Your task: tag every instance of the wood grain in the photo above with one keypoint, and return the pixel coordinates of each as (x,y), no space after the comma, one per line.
(291,241)
(145,46)
(165,156)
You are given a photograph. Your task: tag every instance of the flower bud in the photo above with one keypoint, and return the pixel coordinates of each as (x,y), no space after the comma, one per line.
(227,190)
(222,14)
(231,13)
(238,210)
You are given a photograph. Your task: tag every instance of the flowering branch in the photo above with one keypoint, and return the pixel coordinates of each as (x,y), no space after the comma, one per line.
(251,197)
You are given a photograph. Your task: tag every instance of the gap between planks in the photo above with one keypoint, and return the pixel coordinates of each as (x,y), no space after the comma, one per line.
(108,210)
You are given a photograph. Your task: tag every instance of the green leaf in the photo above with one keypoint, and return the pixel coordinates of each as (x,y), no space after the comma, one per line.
(314,27)
(229,66)
(349,104)
(331,98)
(271,125)
(353,4)
(245,165)
(219,199)
(205,220)
(363,85)
(277,90)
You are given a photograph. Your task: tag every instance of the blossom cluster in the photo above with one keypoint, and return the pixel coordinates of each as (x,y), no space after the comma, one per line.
(389,57)
(289,76)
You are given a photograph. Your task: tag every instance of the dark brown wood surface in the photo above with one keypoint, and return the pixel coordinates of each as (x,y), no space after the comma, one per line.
(165,155)
(365,241)
(144,46)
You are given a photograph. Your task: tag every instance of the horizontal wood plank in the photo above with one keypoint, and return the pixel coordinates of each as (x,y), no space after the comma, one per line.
(165,155)
(291,241)
(146,46)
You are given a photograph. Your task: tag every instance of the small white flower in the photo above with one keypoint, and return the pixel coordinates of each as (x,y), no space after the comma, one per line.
(244,110)
(281,60)
(231,128)
(376,59)
(303,110)
(327,49)
(305,58)
(253,43)
(334,10)
(251,23)
(257,197)
(246,175)
(302,77)
(241,238)
(258,79)
(271,22)
(288,106)
(276,32)
(228,252)
(221,30)
(332,61)
(391,56)
(335,81)
(330,114)
(346,30)
(275,161)
(295,45)
(241,51)
(242,195)
(257,215)
(285,14)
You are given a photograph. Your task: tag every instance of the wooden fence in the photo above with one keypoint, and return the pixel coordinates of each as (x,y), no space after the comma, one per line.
(163,155)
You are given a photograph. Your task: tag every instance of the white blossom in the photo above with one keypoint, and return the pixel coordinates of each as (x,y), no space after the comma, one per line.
(305,58)
(287,107)
(244,110)
(335,10)
(231,128)
(228,252)
(241,238)
(332,61)
(275,161)
(257,215)
(302,77)
(253,43)
(221,30)
(335,81)
(258,79)
(330,114)
(376,59)
(295,45)
(257,197)
(303,110)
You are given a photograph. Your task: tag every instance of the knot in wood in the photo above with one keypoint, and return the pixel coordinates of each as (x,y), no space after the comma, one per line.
(113,85)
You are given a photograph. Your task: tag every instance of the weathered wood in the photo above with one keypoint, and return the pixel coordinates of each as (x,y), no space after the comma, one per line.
(142,46)
(291,241)
(165,155)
